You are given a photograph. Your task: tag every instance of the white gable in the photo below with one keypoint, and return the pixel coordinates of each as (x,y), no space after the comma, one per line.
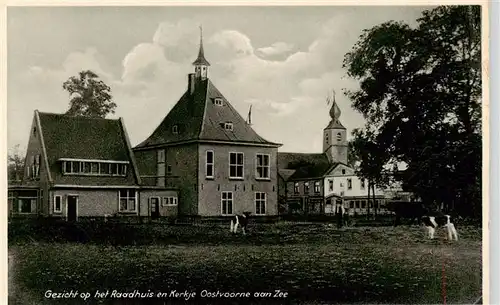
(341,170)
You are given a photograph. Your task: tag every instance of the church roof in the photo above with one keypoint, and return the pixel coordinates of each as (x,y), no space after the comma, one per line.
(198,117)
(305,165)
(335,124)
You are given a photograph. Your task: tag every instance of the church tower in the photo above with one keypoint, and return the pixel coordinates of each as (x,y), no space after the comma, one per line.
(334,136)
(201,64)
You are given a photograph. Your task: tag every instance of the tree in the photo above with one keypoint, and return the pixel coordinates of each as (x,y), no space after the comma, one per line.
(15,165)
(371,162)
(420,92)
(352,157)
(89,96)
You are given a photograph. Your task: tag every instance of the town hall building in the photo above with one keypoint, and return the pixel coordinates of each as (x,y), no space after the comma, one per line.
(206,150)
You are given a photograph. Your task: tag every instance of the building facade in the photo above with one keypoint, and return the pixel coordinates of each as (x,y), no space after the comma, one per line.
(318,183)
(82,167)
(206,150)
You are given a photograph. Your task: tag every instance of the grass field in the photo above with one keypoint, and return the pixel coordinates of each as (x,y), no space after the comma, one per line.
(313,264)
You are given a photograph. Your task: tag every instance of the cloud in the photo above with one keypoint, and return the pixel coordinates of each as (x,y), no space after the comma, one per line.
(276,48)
(288,95)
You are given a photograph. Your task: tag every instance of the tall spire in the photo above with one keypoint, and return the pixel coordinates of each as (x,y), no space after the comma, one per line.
(334,112)
(201,61)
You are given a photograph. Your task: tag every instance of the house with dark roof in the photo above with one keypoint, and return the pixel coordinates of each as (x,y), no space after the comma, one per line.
(206,149)
(317,183)
(82,167)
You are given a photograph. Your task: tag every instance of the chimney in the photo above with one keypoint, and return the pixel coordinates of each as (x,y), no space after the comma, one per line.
(191,83)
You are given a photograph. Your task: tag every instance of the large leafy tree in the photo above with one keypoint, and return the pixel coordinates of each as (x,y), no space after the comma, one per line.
(420,92)
(89,95)
(15,165)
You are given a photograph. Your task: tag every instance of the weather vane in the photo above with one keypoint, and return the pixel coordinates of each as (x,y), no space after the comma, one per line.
(331,99)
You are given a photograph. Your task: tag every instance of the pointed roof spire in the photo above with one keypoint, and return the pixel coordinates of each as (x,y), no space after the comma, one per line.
(334,112)
(201,54)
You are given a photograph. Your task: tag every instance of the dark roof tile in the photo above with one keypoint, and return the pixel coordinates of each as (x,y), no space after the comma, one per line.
(306,165)
(79,137)
(199,118)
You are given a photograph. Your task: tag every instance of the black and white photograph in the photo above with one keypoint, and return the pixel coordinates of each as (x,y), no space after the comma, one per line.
(246,154)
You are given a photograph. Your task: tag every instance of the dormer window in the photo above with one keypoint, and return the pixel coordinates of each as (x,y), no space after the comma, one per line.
(218,101)
(175,129)
(228,126)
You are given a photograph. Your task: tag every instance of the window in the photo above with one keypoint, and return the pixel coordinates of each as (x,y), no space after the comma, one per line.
(27,205)
(218,102)
(161,156)
(67,167)
(363,204)
(330,185)
(122,169)
(236,165)
(94,168)
(175,129)
(113,169)
(357,204)
(339,137)
(34,166)
(228,126)
(76,167)
(104,169)
(317,188)
(11,201)
(169,169)
(37,165)
(263,165)
(227,203)
(169,201)
(260,203)
(362,184)
(209,164)
(57,204)
(296,188)
(349,184)
(127,199)
(86,167)
(306,187)
(351,204)
(326,138)
(160,167)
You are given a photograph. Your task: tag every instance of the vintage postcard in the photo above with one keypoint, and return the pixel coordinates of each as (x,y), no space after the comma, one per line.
(246,154)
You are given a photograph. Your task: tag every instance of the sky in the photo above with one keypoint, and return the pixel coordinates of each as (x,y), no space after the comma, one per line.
(284,61)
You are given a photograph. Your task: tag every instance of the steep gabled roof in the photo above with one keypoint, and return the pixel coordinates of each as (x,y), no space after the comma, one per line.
(306,165)
(76,137)
(201,53)
(199,118)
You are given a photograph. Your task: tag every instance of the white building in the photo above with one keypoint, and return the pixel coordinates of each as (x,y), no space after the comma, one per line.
(317,183)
